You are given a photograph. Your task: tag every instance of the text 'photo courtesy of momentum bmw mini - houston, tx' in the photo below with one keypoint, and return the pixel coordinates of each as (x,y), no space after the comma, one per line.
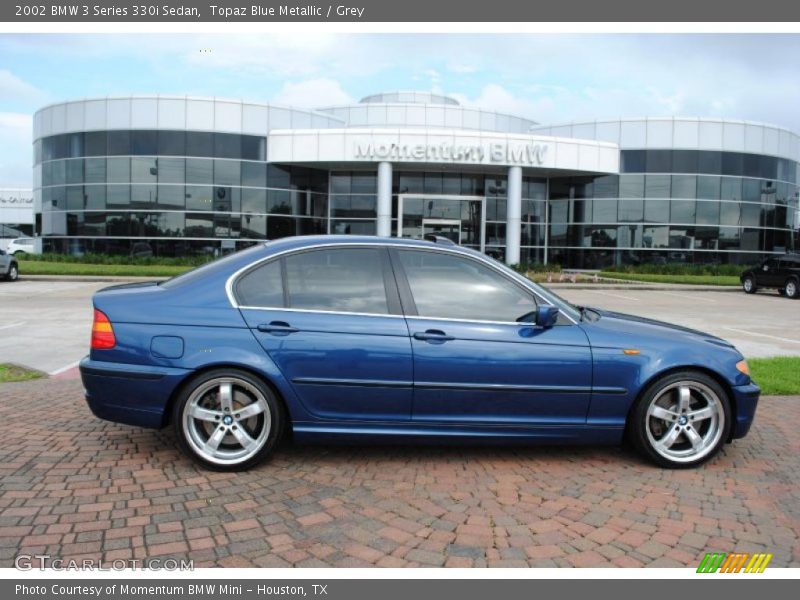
(376,339)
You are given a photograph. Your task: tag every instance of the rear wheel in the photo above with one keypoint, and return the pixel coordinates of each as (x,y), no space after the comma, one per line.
(792,290)
(749,284)
(682,420)
(13,272)
(227,420)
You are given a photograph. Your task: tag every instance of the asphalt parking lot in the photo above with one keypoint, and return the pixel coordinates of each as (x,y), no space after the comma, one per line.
(75,487)
(45,324)
(760,325)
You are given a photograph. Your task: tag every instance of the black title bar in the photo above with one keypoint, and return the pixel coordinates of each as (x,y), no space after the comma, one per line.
(516,11)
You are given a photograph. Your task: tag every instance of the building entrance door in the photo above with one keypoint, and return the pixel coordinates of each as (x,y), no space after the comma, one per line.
(459,218)
(449,228)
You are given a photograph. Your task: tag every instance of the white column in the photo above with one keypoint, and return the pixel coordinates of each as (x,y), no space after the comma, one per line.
(513,215)
(384,199)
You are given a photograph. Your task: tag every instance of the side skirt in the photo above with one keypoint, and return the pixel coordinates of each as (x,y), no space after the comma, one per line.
(377,433)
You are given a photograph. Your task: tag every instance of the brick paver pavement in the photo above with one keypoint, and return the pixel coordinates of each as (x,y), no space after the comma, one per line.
(76,487)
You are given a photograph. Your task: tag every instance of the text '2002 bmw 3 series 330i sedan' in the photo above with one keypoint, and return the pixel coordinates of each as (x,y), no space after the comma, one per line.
(374,339)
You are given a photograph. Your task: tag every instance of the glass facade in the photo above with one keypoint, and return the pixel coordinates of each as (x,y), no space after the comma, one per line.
(675,206)
(165,192)
(171,193)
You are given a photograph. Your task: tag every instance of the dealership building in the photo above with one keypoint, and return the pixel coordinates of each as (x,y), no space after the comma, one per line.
(17,217)
(171,176)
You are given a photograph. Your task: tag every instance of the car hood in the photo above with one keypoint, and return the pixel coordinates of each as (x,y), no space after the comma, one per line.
(626,327)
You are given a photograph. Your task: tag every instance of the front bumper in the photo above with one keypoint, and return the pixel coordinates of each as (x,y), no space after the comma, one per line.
(130,394)
(746,399)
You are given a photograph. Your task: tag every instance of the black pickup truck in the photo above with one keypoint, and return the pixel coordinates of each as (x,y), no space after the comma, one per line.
(778,272)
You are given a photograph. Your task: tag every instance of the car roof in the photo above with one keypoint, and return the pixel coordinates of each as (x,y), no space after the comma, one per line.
(309,241)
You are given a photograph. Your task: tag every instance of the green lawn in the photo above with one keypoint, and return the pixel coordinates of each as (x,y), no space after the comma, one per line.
(779,376)
(724,280)
(9,373)
(35,267)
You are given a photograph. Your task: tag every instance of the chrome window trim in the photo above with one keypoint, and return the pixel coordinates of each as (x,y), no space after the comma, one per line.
(320,311)
(229,283)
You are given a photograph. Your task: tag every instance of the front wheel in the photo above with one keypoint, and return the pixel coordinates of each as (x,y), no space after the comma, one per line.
(682,420)
(792,290)
(749,285)
(227,420)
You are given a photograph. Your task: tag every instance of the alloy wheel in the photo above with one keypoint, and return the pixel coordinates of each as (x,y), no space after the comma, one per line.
(685,421)
(791,289)
(226,420)
(747,284)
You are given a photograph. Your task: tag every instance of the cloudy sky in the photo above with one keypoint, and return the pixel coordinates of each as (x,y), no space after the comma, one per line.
(549,78)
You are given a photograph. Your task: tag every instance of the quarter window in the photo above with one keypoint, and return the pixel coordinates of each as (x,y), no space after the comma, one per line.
(445,286)
(262,287)
(338,280)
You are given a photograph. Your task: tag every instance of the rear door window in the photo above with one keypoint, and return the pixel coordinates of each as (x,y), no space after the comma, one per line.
(338,280)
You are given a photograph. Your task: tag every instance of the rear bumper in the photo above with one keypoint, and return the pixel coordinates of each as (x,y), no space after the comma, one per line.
(746,399)
(130,394)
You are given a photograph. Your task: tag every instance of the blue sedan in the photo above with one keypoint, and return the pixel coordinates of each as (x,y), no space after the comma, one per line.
(376,339)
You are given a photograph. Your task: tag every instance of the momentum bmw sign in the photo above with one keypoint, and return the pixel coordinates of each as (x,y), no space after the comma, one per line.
(503,153)
(460,147)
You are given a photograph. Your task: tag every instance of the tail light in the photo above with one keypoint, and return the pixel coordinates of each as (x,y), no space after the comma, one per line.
(102,332)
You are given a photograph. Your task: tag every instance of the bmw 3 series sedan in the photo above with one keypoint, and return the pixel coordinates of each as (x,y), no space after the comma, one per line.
(375,339)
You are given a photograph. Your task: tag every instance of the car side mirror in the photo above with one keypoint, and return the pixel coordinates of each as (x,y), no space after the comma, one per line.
(546,315)
(765,267)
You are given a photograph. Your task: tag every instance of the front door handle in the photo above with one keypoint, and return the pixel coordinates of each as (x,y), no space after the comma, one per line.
(433,336)
(277,328)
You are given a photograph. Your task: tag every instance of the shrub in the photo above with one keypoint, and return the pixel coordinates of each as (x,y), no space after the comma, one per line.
(677,269)
(117,259)
(537,268)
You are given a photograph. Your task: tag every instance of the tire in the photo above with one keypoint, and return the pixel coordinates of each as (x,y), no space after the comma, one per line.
(792,289)
(224,440)
(13,272)
(749,284)
(667,433)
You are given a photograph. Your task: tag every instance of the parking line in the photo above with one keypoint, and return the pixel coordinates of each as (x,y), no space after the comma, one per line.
(766,335)
(10,325)
(67,368)
(687,296)
(617,295)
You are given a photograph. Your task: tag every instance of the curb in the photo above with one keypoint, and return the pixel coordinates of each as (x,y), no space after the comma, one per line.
(655,287)
(89,278)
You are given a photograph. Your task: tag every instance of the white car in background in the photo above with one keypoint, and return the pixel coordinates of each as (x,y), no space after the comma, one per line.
(25,245)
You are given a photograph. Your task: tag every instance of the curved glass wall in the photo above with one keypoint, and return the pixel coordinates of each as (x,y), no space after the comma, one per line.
(171,193)
(675,206)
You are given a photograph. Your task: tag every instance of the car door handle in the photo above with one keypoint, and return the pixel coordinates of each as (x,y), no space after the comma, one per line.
(433,335)
(277,328)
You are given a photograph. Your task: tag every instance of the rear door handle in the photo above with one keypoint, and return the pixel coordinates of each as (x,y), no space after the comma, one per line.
(277,328)
(433,335)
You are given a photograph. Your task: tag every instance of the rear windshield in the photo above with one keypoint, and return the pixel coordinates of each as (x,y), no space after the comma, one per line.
(210,268)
